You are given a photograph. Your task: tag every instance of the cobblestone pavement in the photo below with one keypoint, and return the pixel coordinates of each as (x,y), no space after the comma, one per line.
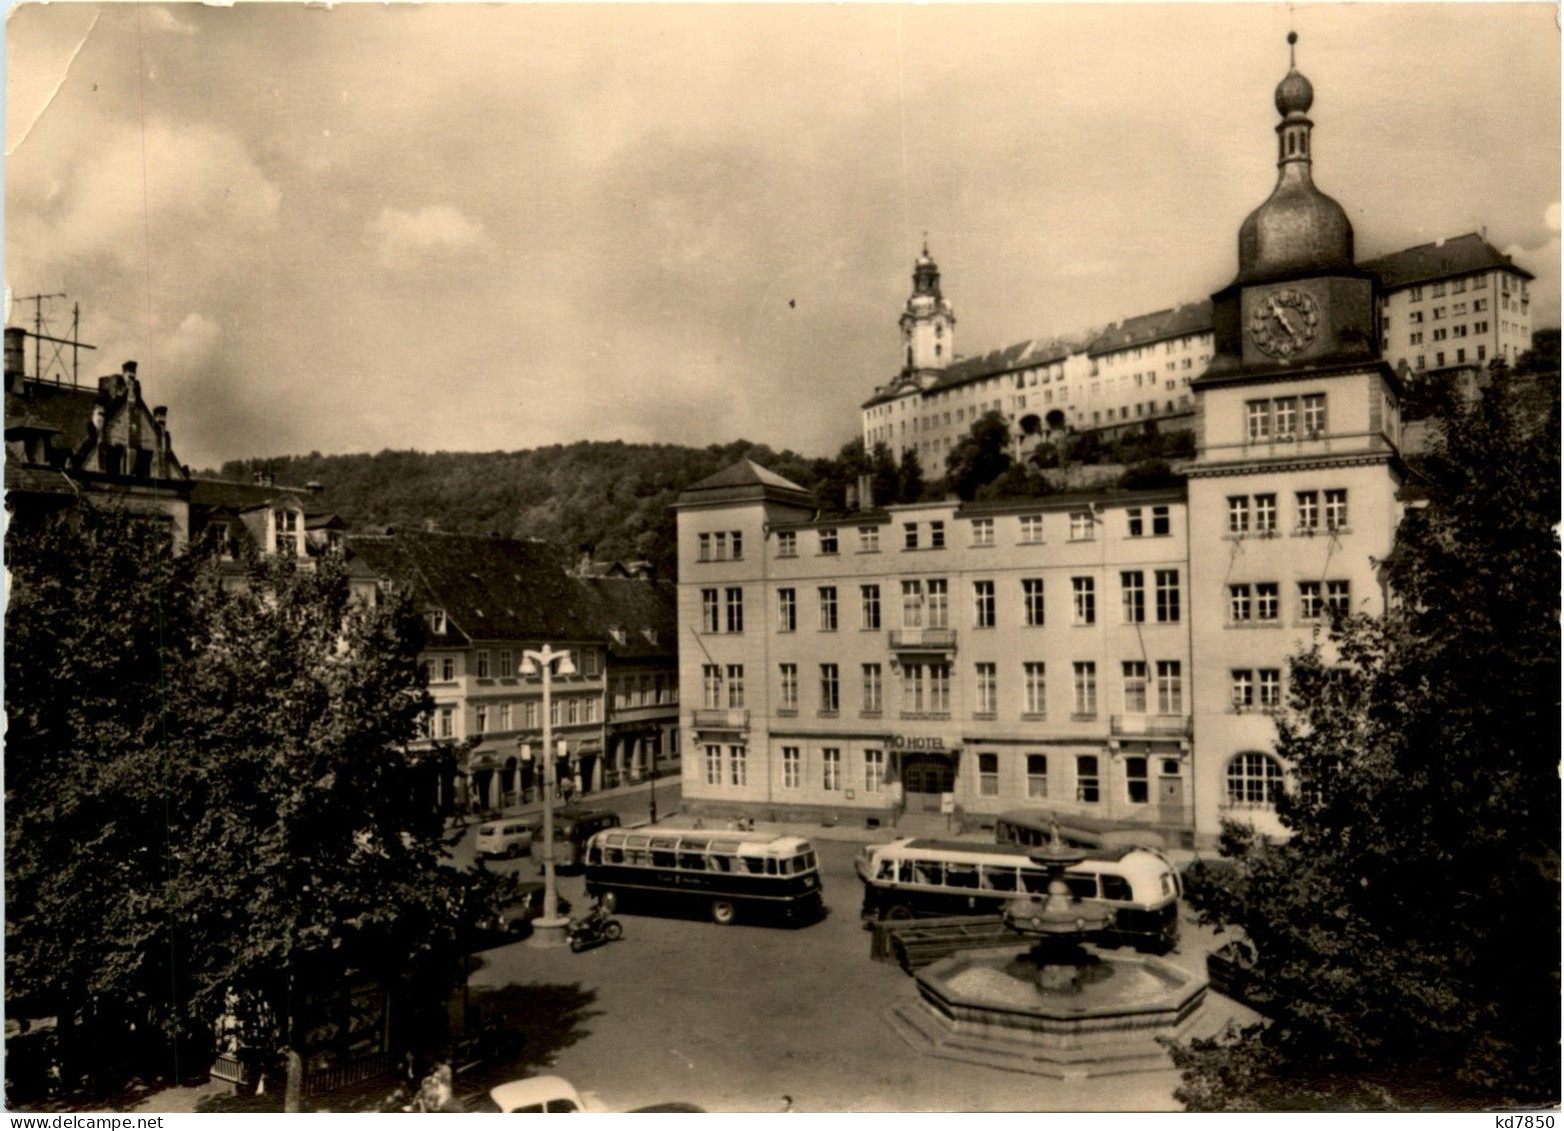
(732,1018)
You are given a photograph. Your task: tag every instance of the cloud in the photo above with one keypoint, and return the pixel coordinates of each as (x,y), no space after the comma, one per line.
(163,19)
(195,342)
(435,231)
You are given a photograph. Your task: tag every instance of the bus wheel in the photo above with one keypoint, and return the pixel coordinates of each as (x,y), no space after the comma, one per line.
(898,913)
(722,912)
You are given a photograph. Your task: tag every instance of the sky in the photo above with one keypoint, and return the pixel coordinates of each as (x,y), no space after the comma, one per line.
(479,228)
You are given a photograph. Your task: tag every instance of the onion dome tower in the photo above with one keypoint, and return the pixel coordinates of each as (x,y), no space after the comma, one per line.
(1327,310)
(928,324)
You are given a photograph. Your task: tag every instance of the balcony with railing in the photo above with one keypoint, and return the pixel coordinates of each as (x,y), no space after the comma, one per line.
(942,640)
(1150,726)
(722,718)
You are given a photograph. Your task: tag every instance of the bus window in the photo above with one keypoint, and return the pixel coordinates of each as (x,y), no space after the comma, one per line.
(753,865)
(887,871)
(719,863)
(928,872)
(636,856)
(801,864)
(1034,881)
(961,875)
(771,866)
(997,878)
(906,873)
(616,856)
(1082,887)
(1116,887)
(694,861)
(663,858)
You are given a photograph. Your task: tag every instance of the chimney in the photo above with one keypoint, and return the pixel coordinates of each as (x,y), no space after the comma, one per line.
(263,477)
(160,414)
(852,496)
(15,357)
(866,491)
(584,559)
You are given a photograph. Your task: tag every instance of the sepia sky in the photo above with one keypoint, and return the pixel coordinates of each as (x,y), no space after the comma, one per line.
(499,227)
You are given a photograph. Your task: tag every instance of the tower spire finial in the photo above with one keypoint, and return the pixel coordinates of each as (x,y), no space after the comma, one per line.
(1292,50)
(925,241)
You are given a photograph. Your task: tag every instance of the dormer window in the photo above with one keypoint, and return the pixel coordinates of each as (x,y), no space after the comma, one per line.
(618,634)
(437,621)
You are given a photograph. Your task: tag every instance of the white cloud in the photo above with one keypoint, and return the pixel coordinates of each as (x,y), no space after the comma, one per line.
(408,239)
(195,342)
(163,19)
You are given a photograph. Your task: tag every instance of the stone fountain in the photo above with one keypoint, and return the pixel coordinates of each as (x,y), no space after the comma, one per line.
(1057,1007)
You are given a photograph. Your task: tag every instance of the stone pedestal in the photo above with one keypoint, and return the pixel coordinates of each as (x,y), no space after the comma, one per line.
(549,933)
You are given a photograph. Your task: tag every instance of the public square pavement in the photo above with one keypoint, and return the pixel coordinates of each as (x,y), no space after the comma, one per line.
(734,1018)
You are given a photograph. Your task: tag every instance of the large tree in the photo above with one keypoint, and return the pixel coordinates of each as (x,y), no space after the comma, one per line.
(979,457)
(1407,934)
(217,781)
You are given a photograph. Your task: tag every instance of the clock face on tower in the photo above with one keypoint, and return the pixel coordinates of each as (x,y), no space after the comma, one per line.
(1283,322)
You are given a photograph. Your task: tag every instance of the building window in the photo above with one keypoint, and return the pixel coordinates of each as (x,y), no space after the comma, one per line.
(735,685)
(735,602)
(287,533)
(938,591)
(828,541)
(787,610)
(1170,687)
(703,541)
(447,668)
(787,544)
(483,663)
(1082,528)
(830,689)
(530,710)
(1238,514)
(828,608)
(507,664)
(1032,600)
(1310,603)
(871,688)
(988,775)
(792,768)
(1338,597)
(1271,688)
(939,689)
(1161,522)
(869,603)
(1036,776)
(787,699)
(1314,414)
(1284,419)
(1258,416)
(1137,786)
(738,766)
(711,686)
(710,611)
(1336,510)
(1084,590)
(1086,780)
(909,535)
(983,604)
(1132,583)
(936,535)
(1086,690)
(1031,528)
(1267,604)
(447,721)
(831,769)
(1243,689)
(912,688)
(1036,674)
(987,689)
(1308,510)
(480,716)
(982,532)
(1265,514)
(912,604)
(874,771)
(1134,687)
(1167,596)
(1253,779)
(1135,522)
(713,764)
(1240,604)
(868,539)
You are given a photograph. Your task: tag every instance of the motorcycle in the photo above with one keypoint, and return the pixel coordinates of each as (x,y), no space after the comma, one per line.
(593,928)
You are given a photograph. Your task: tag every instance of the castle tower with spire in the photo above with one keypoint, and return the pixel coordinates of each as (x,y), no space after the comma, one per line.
(928,324)
(1293,492)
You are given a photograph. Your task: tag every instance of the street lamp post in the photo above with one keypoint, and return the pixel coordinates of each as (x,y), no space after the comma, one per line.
(549,929)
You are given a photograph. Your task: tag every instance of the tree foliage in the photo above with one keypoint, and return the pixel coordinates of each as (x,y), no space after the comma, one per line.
(1407,934)
(980,457)
(207,789)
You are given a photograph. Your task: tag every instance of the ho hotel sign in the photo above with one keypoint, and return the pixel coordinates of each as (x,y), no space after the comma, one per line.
(916,742)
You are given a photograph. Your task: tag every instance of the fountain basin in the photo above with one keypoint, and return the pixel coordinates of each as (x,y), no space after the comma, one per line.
(984,1006)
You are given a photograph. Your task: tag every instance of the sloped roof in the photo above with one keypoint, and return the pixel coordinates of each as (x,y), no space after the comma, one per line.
(1440,260)
(634,607)
(1175,322)
(67,409)
(745,473)
(215,494)
(489,588)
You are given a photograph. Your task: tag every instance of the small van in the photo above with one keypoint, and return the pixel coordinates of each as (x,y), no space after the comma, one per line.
(505,838)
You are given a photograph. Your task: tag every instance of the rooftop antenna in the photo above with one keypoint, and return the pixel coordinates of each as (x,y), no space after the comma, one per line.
(39,337)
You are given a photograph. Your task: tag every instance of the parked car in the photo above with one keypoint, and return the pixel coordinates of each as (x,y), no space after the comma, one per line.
(1230,970)
(515,916)
(504,838)
(539,1094)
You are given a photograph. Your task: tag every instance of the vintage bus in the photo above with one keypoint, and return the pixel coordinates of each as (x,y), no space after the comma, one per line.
(720,874)
(917,877)
(1035,826)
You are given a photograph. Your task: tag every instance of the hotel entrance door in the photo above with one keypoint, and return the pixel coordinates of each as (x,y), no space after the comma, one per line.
(924,777)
